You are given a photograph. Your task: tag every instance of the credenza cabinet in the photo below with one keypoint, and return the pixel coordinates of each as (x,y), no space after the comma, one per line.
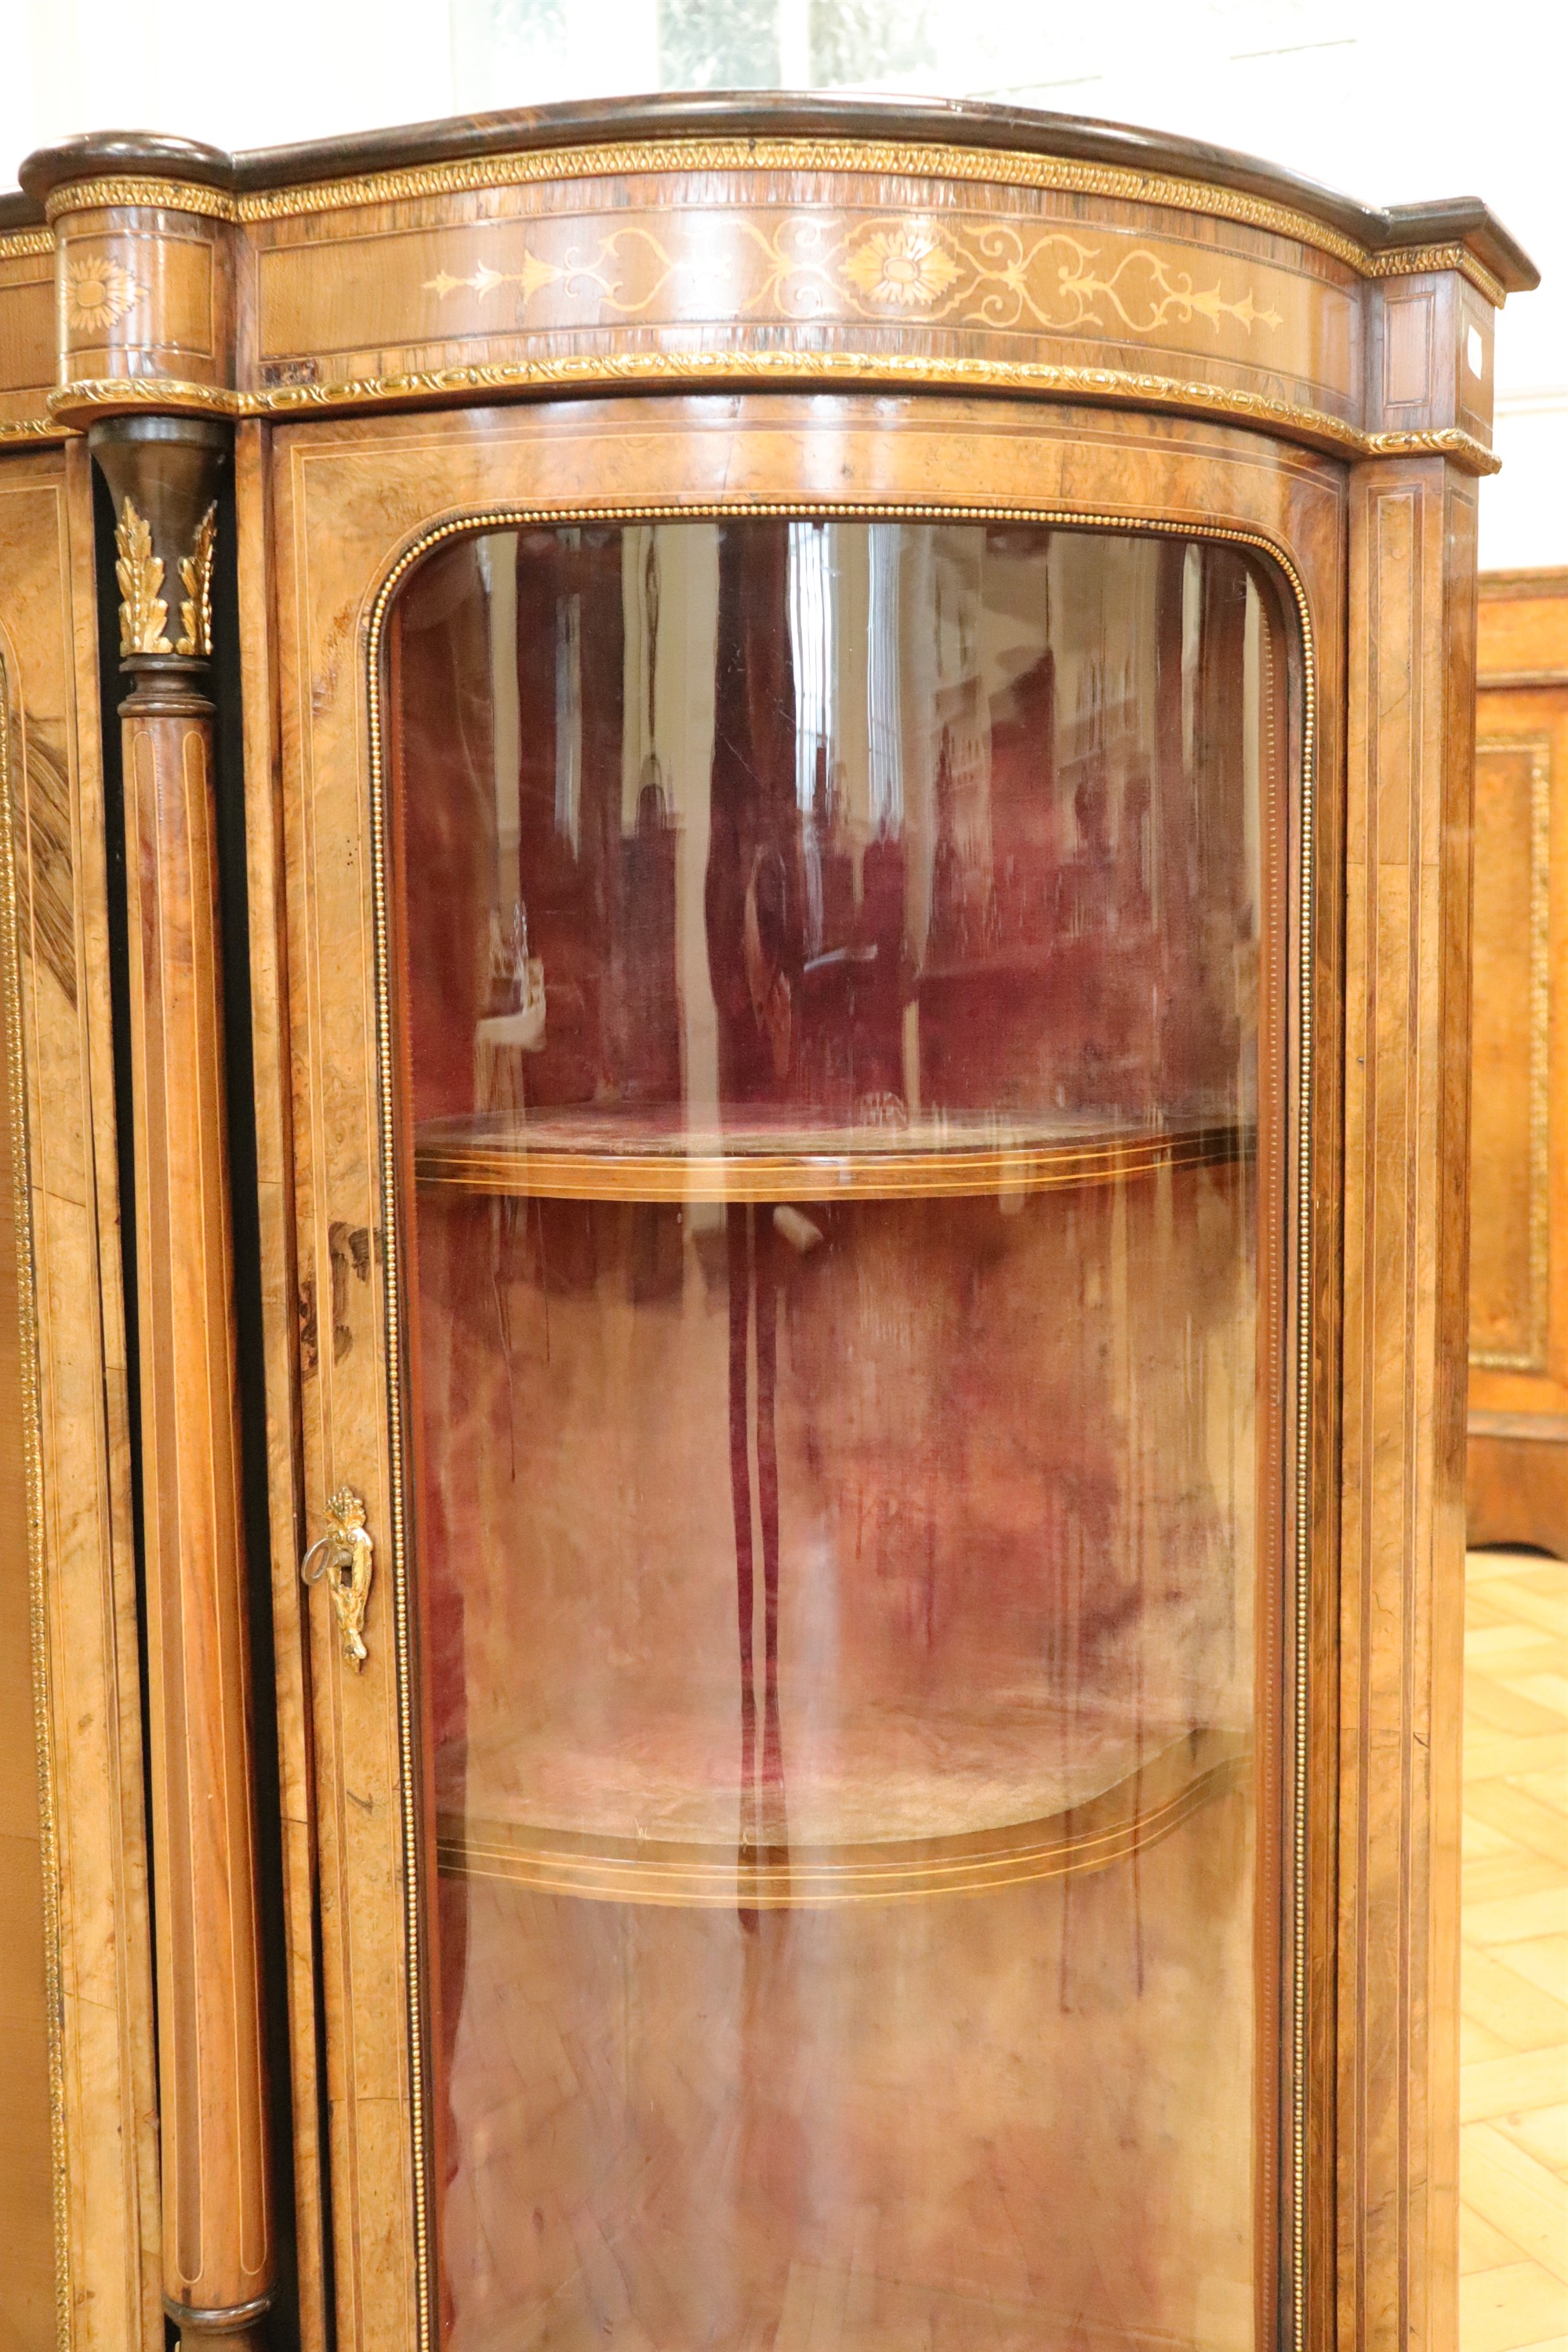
(740,1102)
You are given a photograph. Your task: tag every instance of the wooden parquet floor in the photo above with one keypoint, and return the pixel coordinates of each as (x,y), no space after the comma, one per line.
(1513,2166)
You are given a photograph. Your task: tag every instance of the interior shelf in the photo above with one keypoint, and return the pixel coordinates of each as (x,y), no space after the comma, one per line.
(641,1155)
(1140,1810)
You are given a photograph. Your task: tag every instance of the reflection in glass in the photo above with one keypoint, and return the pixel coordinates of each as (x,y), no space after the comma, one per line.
(840,978)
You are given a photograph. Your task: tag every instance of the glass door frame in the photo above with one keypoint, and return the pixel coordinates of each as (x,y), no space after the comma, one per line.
(1221,487)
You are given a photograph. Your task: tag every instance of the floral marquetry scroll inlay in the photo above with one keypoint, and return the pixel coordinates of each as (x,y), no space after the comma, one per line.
(482,282)
(98,291)
(990,274)
(140,573)
(1141,291)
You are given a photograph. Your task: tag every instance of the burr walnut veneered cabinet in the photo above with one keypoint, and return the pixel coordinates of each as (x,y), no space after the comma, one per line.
(1518,1264)
(844,1101)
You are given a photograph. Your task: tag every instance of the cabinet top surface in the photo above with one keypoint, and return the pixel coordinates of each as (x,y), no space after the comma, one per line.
(751,115)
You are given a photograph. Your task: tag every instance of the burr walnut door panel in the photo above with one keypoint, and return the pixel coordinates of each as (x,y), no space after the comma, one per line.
(792,934)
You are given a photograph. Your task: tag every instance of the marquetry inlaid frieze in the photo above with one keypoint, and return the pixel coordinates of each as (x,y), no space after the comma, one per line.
(822,267)
(814,262)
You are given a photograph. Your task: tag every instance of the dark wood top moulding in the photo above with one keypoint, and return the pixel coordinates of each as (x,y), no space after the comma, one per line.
(750,115)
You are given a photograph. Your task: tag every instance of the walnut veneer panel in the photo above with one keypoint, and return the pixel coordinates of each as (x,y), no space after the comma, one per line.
(346,499)
(145,289)
(27,2171)
(26,332)
(106,2152)
(1518,1478)
(1402,1557)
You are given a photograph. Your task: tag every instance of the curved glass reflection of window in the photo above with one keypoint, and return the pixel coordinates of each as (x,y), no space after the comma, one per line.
(842,1007)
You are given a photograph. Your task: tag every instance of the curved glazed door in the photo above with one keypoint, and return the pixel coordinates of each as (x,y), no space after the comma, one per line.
(793,911)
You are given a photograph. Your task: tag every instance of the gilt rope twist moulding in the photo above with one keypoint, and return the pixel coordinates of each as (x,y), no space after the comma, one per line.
(1141,481)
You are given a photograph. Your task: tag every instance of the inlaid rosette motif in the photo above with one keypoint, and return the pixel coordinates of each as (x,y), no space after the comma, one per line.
(98,292)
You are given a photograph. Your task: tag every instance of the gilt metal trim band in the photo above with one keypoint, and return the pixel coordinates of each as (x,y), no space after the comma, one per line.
(152,395)
(230,2319)
(1416,260)
(127,193)
(1042,379)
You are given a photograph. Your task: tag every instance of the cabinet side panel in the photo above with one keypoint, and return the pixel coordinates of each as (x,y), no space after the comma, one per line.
(1406,1108)
(27,2253)
(106,2149)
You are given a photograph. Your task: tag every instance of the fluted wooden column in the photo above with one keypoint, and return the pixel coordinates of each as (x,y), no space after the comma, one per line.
(219,2256)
